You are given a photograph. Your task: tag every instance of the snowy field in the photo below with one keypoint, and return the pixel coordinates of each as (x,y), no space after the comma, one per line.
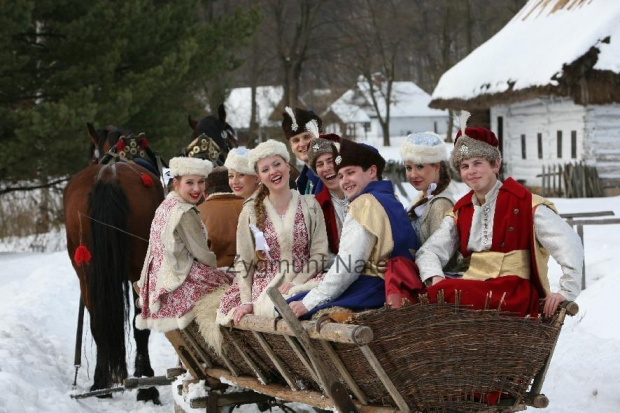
(39,303)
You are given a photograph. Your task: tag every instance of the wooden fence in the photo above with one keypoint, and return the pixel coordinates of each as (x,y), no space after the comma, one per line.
(571,180)
(575,220)
(395,172)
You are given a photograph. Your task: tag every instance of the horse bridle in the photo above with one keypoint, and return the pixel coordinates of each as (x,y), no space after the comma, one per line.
(204,147)
(128,148)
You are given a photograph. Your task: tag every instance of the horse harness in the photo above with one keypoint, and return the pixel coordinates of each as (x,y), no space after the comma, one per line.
(128,148)
(204,147)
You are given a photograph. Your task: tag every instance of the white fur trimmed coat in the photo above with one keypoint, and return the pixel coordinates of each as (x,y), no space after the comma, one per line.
(285,229)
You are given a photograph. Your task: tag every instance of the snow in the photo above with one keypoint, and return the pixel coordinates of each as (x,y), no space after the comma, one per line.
(348,108)
(239,105)
(408,101)
(39,295)
(534,46)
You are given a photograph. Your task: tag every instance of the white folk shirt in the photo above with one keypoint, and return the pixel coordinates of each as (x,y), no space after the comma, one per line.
(557,237)
(343,272)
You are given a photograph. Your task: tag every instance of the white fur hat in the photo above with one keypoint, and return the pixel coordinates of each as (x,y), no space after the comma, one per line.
(267,149)
(237,159)
(423,148)
(180,166)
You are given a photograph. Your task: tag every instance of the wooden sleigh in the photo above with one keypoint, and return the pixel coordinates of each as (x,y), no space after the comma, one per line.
(418,358)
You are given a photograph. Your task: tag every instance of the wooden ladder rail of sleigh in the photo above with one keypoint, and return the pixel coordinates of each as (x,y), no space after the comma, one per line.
(418,358)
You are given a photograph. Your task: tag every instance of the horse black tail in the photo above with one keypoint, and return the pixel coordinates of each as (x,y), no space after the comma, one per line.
(108,285)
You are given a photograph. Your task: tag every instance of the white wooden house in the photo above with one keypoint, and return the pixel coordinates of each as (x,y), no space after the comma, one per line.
(548,84)
(353,116)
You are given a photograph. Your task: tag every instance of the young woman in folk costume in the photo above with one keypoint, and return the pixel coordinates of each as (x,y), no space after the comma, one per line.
(242,179)
(179,275)
(426,164)
(506,235)
(221,209)
(281,239)
(321,155)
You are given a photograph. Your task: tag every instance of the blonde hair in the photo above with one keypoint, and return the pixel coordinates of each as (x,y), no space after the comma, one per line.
(260,214)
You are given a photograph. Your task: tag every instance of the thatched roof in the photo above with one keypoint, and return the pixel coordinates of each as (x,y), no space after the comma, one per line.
(550,48)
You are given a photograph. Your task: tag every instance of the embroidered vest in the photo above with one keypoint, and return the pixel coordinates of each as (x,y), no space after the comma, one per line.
(514,239)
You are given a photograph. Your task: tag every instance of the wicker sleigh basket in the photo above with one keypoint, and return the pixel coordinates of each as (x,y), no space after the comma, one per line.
(419,358)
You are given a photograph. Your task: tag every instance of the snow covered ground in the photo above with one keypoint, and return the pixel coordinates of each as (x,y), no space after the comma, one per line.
(38,312)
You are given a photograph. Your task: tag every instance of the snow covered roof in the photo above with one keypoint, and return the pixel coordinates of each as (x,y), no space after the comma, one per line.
(534,52)
(408,100)
(239,105)
(349,107)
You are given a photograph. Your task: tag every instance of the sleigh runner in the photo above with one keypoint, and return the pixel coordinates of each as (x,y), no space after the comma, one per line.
(418,358)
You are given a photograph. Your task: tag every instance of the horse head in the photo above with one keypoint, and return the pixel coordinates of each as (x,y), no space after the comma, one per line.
(212,138)
(102,141)
(114,144)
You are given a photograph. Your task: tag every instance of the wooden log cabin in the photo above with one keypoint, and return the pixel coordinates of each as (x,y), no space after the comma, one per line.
(548,84)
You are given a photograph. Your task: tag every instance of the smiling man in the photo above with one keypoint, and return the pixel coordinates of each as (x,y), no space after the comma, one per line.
(375,230)
(300,126)
(321,156)
(505,233)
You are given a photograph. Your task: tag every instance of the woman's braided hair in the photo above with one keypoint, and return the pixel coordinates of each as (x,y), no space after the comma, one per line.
(260,214)
(444,181)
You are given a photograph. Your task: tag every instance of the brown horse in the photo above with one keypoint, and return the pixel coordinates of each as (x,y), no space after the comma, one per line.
(108,210)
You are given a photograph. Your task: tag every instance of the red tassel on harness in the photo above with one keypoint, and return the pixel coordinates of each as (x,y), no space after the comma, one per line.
(146,179)
(144,143)
(82,255)
(120,145)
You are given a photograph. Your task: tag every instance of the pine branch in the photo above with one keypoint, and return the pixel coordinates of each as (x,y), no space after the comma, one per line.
(31,188)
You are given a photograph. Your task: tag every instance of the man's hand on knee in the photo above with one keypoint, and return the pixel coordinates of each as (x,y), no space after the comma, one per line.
(298,308)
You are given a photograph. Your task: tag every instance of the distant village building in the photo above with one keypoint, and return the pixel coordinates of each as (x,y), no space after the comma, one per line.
(353,116)
(239,108)
(269,108)
(548,84)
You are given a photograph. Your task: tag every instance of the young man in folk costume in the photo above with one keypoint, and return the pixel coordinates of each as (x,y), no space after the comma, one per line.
(505,233)
(375,230)
(321,156)
(300,127)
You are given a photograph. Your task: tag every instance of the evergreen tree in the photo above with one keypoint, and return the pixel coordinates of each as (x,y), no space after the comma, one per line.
(140,64)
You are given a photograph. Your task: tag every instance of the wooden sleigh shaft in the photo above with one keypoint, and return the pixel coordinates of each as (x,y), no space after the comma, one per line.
(434,357)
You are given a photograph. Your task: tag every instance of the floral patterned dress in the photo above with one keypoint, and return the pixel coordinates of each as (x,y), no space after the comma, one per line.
(161,304)
(267,270)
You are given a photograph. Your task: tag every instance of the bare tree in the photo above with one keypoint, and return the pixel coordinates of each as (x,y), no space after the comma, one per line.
(294,23)
(376,36)
(305,44)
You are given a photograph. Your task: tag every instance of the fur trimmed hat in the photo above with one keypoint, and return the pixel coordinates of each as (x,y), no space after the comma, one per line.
(423,148)
(266,149)
(325,144)
(299,120)
(473,142)
(237,160)
(359,154)
(217,181)
(180,166)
